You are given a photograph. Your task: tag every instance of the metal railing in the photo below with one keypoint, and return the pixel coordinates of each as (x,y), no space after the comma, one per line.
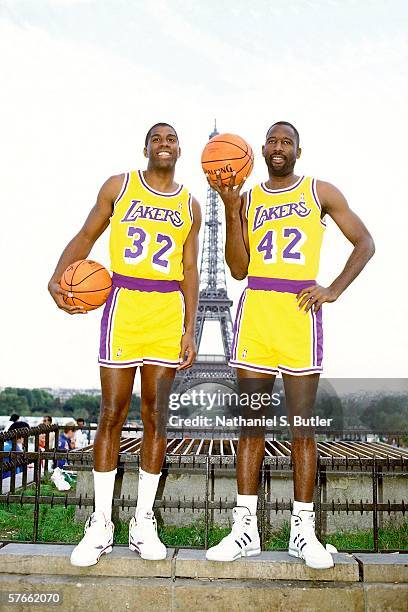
(210,457)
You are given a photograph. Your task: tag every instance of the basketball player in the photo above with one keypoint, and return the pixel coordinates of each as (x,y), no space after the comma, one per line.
(273,235)
(148,322)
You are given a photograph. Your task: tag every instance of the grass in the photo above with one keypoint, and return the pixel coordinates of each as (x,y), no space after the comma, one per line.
(58,524)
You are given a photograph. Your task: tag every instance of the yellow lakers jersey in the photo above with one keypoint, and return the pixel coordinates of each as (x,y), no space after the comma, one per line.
(148,230)
(285,231)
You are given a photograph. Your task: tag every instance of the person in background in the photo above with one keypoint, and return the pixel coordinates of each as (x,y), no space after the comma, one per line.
(66,441)
(47,420)
(19,425)
(14,417)
(8,444)
(80,436)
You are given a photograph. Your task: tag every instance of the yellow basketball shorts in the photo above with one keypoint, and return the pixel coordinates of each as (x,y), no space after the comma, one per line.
(142,323)
(271,335)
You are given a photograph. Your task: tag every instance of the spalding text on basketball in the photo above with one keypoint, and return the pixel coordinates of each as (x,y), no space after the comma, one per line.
(223,170)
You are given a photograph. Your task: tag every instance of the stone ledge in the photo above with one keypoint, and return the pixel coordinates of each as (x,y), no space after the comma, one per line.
(267,566)
(257,596)
(383,567)
(111,593)
(385,597)
(93,594)
(186,563)
(54,559)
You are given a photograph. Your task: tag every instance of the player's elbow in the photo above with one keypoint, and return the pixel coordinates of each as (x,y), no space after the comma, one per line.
(369,246)
(238,273)
(372,247)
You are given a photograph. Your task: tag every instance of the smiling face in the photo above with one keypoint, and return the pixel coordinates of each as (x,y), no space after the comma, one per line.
(281,150)
(162,147)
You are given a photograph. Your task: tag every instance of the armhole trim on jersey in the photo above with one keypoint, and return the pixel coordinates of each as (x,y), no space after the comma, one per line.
(248,204)
(316,198)
(123,190)
(190,208)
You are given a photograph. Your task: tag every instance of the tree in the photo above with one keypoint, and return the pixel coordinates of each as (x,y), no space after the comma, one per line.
(387,414)
(12,402)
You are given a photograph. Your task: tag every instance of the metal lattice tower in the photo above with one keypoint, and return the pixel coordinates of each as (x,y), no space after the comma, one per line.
(214,303)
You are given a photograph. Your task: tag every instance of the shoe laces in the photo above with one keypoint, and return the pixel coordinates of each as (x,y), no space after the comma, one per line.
(310,521)
(95,526)
(239,522)
(148,521)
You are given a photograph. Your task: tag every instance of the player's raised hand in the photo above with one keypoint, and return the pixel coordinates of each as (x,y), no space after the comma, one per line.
(58,294)
(230,192)
(314,296)
(188,351)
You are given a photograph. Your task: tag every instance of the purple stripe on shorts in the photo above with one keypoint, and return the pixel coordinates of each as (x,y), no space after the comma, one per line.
(119,364)
(319,337)
(314,339)
(111,315)
(237,323)
(299,372)
(248,366)
(160,361)
(104,325)
(283,285)
(144,284)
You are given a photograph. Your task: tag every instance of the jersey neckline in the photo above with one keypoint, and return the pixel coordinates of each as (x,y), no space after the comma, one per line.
(290,188)
(160,193)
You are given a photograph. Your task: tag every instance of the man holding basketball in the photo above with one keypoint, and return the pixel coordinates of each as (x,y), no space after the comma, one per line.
(148,322)
(273,235)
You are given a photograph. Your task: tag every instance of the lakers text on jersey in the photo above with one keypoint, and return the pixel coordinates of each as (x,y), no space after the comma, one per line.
(285,232)
(143,318)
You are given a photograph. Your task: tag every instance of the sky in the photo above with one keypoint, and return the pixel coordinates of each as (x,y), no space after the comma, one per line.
(83,80)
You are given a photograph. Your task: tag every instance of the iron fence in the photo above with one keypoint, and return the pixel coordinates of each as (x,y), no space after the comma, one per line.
(211,457)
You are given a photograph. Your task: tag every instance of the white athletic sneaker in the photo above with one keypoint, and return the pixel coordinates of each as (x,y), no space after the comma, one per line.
(143,537)
(304,544)
(243,541)
(97,541)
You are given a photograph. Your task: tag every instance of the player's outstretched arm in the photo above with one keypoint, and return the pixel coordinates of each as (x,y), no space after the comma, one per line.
(335,204)
(236,247)
(80,246)
(189,286)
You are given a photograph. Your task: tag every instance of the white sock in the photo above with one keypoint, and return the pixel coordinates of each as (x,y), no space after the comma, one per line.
(147,489)
(248,501)
(103,487)
(298,506)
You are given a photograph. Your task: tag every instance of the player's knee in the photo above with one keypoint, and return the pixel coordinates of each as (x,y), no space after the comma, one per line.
(112,416)
(154,422)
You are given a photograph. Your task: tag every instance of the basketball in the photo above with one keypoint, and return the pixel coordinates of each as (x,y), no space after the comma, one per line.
(89,282)
(227,153)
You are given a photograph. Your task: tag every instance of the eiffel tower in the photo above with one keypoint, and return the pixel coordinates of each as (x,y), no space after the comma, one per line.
(214,303)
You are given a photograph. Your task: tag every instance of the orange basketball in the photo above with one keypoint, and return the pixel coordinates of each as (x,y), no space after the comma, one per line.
(227,153)
(89,282)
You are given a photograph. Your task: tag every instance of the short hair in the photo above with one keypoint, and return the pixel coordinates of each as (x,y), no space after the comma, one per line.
(48,417)
(80,419)
(288,125)
(161,124)
(14,417)
(69,427)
